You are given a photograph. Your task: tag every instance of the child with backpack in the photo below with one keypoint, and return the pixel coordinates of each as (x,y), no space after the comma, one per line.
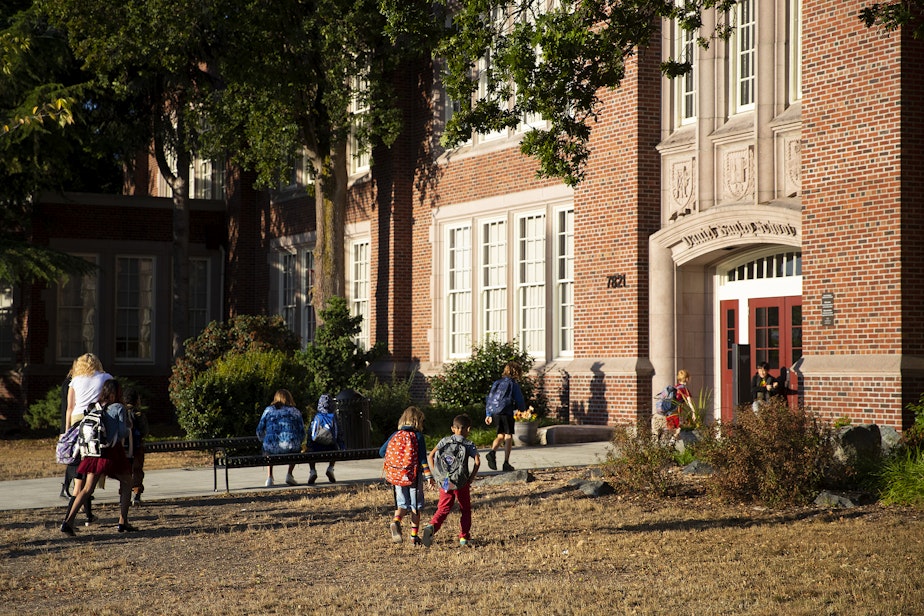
(666,418)
(504,398)
(450,460)
(282,430)
(325,434)
(406,467)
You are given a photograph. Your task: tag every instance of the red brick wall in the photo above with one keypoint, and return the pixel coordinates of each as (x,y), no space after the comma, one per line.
(855,245)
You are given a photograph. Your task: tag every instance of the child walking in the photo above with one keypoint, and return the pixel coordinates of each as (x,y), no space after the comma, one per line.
(406,467)
(450,460)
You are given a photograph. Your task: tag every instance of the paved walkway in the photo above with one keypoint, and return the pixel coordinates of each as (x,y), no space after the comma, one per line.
(186,482)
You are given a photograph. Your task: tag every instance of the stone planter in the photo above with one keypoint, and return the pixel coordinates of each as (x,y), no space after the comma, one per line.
(524,433)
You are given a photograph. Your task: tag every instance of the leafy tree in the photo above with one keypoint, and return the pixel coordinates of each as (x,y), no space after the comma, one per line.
(292,76)
(157,57)
(508,60)
(334,360)
(894,15)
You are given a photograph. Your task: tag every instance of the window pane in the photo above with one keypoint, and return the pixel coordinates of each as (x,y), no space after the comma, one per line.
(360,297)
(287,289)
(6,321)
(76,318)
(494,280)
(564,284)
(459,299)
(531,283)
(198,296)
(134,307)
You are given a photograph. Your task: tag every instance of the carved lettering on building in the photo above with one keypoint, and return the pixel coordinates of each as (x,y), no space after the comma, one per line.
(739,229)
(739,172)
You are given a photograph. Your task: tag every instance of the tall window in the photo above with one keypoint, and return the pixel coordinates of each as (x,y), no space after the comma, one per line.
(76,317)
(134,314)
(459,287)
(288,290)
(795,50)
(494,279)
(198,309)
(745,56)
(6,321)
(206,178)
(360,155)
(685,86)
(309,319)
(564,282)
(531,282)
(359,301)
(483,76)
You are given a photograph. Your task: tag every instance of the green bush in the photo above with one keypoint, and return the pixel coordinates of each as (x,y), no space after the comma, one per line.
(778,456)
(228,398)
(387,400)
(334,361)
(465,383)
(902,478)
(640,463)
(46,412)
(239,334)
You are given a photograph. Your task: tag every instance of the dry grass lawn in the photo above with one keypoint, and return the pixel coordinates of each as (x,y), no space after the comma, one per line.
(539,548)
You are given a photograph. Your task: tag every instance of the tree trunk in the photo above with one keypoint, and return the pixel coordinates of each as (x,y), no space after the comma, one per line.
(330,211)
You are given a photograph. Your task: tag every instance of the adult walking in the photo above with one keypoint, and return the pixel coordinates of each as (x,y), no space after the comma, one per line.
(112,460)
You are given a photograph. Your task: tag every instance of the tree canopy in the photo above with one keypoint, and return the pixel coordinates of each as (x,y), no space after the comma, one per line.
(894,15)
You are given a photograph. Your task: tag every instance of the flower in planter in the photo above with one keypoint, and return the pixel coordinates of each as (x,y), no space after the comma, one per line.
(527,415)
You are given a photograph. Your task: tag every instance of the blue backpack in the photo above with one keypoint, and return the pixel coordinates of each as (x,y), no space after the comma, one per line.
(324,428)
(500,398)
(666,402)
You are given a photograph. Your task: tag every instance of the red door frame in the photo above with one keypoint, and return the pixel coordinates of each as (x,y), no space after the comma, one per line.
(728,309)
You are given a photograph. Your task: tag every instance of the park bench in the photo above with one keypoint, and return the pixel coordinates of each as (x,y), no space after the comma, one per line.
(225,460)
(218,447)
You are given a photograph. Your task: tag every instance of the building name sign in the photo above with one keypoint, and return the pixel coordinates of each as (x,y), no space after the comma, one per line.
(739,229)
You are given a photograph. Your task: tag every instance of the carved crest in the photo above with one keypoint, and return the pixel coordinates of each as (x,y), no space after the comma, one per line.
(794,163)
(683,183)
(739,172)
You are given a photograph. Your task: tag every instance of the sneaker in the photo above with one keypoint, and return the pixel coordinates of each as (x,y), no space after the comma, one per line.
(67,529)
(491,457)
(396,532)
(507,466)
(427,538)
(416,540)
(465,543)
(269,482)
(291,480)
(126,528)
(312,477)
(136,500)
(330,476)
(90,519)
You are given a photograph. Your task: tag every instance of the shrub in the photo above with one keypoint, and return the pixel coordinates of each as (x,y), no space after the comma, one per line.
(387,400)
(640,463)
(239,334)
(465,383)
(334,361)
(228,398)
(902,478)
(778,456)
(46,412)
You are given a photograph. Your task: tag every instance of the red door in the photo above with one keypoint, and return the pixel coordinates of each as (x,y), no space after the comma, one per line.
(729,310)
(775,326)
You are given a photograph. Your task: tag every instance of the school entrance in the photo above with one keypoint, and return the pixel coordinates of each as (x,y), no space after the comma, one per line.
(755,326)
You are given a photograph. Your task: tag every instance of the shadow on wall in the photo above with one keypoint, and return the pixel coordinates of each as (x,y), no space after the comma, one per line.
(593,411)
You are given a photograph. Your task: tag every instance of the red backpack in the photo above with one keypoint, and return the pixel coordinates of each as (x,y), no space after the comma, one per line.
(401,459)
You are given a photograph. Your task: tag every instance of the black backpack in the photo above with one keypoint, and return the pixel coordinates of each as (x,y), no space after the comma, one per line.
(91,435)
(451,462)
(500,398)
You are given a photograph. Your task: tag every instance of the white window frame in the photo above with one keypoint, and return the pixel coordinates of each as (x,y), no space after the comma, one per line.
(685,85)
(530,281)
(360,286)
(360,154)
(744,56)
(459,290)
(200,293)
(563,276)
(795,51)
(288,288)
(206,178)
(494,278)
(126,331)
(6,322)
(309,322)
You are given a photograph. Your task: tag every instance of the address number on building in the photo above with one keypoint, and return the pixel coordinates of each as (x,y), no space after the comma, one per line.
(616,281)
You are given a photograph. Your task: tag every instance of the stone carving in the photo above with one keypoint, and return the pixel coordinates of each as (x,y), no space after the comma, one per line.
(739,229)
(739,172)
(683,183)
(793,164)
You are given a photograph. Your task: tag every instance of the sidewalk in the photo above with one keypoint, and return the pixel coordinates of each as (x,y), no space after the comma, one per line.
(186,482)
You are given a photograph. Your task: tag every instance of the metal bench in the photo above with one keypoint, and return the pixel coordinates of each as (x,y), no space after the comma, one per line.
(249,461)
(218,447)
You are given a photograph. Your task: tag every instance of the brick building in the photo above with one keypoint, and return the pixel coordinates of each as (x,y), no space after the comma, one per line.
(764,208)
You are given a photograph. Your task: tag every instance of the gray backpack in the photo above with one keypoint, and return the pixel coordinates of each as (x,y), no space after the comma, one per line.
(451,462)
